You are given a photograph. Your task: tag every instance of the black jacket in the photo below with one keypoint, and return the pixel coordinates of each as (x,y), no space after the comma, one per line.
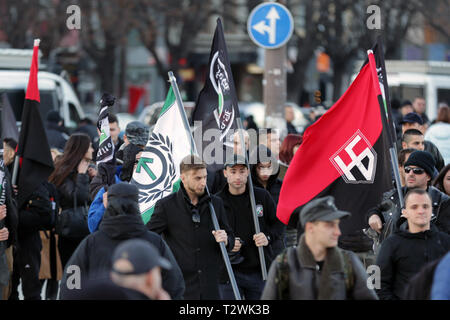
(38,213)
(70,188)
(268,222)
(193,245)
(94,253)
(56,137)
(403,254)
(12,219)
(389,210)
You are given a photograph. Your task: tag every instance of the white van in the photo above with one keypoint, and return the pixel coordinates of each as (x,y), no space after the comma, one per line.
(409,79)
(55,92)
(429,79)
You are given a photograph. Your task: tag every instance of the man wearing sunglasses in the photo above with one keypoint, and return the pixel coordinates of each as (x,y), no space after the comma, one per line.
(184,219)
(418,169)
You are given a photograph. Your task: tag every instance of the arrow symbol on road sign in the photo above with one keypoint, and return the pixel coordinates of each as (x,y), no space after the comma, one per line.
(261,26)
(143,164)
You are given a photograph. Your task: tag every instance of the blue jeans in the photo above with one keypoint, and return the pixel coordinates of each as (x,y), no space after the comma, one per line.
(250,286)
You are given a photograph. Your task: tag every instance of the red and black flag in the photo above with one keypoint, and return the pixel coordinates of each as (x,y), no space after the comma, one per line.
(36,162)
(344,154)
(217,105)
(378,54)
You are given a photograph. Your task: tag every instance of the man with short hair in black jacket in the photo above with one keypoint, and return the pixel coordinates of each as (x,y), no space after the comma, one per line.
(122,221)
(419,169)
(236,198)
(404,253)
(184,219)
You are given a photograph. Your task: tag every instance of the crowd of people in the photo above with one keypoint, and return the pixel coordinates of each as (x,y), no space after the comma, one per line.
(176,255)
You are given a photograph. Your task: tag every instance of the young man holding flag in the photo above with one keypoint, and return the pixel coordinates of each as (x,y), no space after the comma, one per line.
(184,218)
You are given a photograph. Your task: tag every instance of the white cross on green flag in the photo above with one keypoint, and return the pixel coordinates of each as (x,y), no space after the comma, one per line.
(157,173)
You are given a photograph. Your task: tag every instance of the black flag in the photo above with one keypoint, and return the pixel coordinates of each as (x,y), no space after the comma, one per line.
(217,105)
(36,162)
(9,127)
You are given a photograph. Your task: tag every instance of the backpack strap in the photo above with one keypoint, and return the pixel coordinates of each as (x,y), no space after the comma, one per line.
(348,272)
(282,276)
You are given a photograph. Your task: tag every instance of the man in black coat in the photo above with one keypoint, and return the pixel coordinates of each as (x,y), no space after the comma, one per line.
(404,253)
(122,221)
(236,199)
(184,219)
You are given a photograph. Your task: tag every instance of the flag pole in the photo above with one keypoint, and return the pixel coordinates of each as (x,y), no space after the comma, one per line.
(389,125)
(173,82)
(262,260)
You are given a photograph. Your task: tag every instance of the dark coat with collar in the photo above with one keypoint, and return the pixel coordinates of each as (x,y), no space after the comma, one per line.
(94,254)
(306,282)
(193,245)
(403,254)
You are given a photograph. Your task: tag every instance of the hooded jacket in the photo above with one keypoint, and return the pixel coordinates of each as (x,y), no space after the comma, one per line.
(403,254)
(94,254)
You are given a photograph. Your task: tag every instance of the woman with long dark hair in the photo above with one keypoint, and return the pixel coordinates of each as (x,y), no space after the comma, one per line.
(442,181)
(72,182)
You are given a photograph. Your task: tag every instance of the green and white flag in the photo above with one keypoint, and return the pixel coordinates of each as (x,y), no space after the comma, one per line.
(157,173)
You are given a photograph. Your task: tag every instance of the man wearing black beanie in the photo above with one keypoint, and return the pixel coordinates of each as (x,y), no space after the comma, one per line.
(419,170)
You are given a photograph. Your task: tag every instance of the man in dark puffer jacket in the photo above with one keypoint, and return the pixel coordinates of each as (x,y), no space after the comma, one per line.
(122,221)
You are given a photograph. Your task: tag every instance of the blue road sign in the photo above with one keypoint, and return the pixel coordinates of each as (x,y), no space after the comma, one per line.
(270,25)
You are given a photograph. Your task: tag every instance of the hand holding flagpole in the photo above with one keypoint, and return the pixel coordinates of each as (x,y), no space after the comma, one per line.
(223,250)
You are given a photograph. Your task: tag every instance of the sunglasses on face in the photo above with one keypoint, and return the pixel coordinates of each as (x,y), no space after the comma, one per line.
(195,216)
(414,170)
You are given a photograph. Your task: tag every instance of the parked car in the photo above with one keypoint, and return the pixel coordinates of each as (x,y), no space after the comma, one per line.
(55,91)
(257,109)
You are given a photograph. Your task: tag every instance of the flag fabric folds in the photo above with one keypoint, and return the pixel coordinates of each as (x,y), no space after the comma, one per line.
(36,162)
(105,151)
(157,173)
(9,127)
(217,105)
(344,154)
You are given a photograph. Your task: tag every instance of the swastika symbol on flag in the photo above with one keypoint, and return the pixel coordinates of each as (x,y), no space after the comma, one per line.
(356,168)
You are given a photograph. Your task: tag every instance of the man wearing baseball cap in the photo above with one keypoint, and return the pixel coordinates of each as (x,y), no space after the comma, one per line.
(237,203)
(317,269)
(419,170)
(136,265)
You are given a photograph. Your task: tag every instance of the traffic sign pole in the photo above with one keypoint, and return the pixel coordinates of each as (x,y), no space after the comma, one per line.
(274,87)
(270,25)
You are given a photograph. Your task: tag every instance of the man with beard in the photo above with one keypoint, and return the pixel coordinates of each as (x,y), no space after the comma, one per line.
(184,220)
